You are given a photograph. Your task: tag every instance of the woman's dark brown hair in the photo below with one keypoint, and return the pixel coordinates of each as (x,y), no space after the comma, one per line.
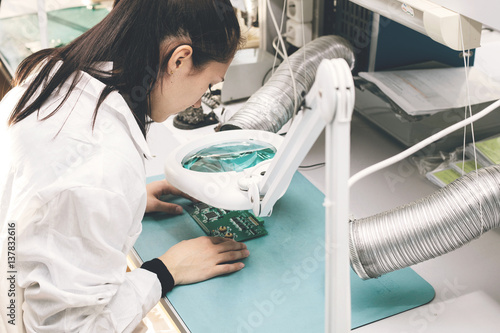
(132,36)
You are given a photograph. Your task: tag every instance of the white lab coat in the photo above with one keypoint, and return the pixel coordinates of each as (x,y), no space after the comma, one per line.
(76,196)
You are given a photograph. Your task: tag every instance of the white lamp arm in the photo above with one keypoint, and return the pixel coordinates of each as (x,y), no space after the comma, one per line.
(329,103)
(320,109)
(304,131)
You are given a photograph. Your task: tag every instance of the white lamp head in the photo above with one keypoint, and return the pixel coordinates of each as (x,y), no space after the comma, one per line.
(211,168)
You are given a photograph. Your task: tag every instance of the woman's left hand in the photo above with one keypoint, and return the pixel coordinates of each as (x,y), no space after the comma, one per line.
(162,187)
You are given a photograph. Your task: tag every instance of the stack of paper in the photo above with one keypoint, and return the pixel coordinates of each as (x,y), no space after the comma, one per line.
(427,91)
(445,175)
(487,151)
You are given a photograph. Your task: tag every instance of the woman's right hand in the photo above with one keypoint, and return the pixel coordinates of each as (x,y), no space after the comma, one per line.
(203,258)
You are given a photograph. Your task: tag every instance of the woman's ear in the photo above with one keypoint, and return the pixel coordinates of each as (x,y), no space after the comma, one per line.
(181,59)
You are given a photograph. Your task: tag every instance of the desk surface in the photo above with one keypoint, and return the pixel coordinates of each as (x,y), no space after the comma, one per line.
(281,288)
(465,281)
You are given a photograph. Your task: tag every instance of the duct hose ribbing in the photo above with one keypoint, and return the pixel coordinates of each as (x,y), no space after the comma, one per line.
(427,228)
(272,105)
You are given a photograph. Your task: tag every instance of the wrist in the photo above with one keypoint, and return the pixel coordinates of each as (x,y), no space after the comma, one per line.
(165,277)
(170,263)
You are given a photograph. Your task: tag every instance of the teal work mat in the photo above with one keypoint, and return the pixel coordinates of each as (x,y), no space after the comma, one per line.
(281,288)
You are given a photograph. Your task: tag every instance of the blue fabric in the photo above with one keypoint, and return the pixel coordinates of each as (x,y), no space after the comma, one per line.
(281,288)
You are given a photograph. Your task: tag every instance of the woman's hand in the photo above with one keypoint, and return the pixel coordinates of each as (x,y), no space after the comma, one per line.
(158,188)
(203,258)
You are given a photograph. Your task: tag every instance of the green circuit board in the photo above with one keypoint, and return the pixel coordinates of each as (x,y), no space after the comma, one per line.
(239,225)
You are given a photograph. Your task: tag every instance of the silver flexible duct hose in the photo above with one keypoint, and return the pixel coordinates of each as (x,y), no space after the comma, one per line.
(272,105)
(427,228)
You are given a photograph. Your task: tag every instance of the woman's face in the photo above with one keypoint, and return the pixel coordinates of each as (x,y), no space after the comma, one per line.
(183,85)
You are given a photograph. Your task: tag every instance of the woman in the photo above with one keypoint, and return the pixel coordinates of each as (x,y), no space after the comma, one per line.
(72,181)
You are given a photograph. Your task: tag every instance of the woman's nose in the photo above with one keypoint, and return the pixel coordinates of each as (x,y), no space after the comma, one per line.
(197,104)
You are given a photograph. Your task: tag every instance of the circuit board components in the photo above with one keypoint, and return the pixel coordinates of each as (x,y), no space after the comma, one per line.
(239,225)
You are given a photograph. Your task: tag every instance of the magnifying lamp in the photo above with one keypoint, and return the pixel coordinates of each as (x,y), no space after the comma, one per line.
(249,169)
(214,168)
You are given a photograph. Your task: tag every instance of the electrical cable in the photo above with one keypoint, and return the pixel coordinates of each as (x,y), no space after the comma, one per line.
(413,149)
(312,165)
(277,49)
(264,79)
(279,32)
(303,37)
(469,108)
(273,18)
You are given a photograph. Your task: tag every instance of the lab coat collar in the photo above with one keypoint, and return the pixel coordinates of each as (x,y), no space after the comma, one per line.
(92,86)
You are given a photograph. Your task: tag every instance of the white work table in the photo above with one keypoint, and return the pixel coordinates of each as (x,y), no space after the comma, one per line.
(466,281)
